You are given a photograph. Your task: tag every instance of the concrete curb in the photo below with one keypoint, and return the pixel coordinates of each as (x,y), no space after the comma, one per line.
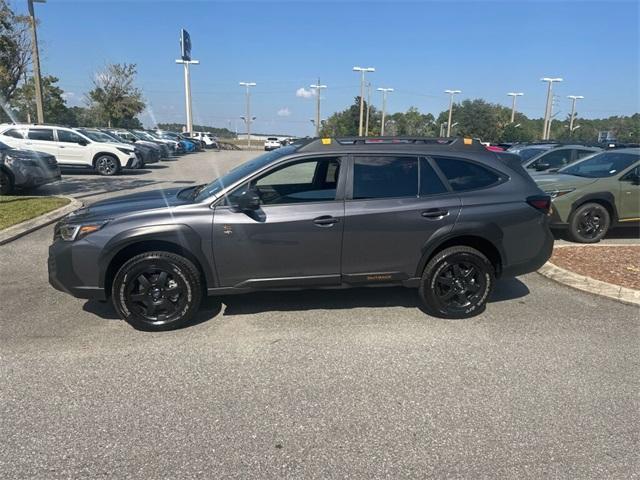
(16,231)
(588,284)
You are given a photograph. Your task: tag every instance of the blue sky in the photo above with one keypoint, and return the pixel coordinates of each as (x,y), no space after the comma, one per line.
(484,48)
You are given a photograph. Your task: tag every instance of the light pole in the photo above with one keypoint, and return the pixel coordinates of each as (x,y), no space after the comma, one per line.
(318,88)
(513,104)
(248,118)
(547,110)
(451,94)
(187,90)
(366,123)
(384,106)
(573,98)
(362,71)
(36,61)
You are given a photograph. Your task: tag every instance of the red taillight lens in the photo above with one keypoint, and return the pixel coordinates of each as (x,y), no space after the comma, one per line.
(541,202)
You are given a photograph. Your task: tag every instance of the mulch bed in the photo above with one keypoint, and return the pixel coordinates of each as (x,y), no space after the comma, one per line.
(617,265)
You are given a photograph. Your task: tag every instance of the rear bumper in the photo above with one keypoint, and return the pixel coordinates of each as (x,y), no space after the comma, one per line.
(534,263)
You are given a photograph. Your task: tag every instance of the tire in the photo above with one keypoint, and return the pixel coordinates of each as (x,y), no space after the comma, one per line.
(6,184)
(107,165)
(157,291)
(456,283)
(589,223)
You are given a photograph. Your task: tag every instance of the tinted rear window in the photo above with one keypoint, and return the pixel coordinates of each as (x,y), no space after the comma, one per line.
(464,175)
(385,177)
(40,134)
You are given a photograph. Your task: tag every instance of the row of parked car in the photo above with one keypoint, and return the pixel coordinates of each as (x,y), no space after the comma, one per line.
(593,188)
(31,155)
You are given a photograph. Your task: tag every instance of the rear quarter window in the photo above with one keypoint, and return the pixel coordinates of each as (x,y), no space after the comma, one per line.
(464,175)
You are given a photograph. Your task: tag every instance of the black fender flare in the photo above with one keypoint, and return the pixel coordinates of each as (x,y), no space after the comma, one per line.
(180,235)
(487,232)
(594,197)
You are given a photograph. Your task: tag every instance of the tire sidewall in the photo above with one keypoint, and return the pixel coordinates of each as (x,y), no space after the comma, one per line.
(575,216)
(433,303)
(115,170)
(176,265)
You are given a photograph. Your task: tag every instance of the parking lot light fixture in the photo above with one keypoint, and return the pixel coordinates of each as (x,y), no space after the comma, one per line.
(574,99)
(248,119)
(451,93)
(362,71)
(318,87)
(384,91)
(547,112)
(513,103)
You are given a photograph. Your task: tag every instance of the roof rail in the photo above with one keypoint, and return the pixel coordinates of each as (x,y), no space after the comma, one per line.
(450,142)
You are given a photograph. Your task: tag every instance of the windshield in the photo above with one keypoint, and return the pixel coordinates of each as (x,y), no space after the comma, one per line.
(241,171)
(3,146)
(529,153)
(145,135)
(602,165)
(97,136)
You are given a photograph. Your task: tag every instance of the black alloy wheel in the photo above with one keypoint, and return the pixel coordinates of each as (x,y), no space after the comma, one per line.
(157,291)
(589,223)
(457,282)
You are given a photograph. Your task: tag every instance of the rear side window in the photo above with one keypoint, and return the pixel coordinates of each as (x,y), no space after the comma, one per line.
(430,183)
(463,175)
(385,177)
(40,134)
(13,133)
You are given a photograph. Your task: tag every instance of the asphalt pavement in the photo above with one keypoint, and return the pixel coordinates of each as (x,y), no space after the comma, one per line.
(316,384)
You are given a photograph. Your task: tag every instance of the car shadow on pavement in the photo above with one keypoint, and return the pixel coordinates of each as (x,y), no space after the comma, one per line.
(303,300)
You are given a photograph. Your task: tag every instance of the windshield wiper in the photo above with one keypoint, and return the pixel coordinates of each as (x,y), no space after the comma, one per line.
(197,190)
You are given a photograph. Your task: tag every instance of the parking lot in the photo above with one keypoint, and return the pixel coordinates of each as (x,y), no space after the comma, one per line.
(316,384)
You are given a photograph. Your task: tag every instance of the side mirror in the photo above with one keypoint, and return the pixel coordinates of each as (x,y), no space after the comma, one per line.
(248,201)
(542,166)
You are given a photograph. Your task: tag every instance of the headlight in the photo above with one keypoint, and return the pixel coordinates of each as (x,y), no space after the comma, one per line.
(558,193)
(70,232)
(11,160)
(128,151)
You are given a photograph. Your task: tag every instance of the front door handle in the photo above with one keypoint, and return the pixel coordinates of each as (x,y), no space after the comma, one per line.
(325,221)
(434,213)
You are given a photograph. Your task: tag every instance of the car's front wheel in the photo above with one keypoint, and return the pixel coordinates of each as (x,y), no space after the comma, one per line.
(107,165)
(456,283)
(157,291)
(589,223)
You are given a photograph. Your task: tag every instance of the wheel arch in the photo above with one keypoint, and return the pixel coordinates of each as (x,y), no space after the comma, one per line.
(606,199)
(99,154)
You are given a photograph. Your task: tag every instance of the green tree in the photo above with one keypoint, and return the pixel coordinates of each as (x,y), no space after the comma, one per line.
(115,98)
(411,123)
(346,123)
(15,52)
(55,107)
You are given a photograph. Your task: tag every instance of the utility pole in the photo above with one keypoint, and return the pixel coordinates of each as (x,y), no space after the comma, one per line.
(318,87)
(36,61)
(513,104)
(384,106)
(248,119)
(451,94)
(366,125)
(547,111)
(362,70)
(573,98)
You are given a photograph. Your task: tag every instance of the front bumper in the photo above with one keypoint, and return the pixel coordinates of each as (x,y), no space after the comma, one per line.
(134,162)
(29,177)
(68,272)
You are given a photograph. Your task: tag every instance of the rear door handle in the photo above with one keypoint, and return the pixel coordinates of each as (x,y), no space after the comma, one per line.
(434,213)
(325,221)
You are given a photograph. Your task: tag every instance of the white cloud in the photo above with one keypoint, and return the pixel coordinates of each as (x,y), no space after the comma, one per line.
(304,93)
(284,112)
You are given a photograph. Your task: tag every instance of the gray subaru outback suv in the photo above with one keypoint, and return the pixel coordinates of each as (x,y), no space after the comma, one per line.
(444,216)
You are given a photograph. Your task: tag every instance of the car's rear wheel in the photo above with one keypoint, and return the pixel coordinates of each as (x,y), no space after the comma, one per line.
(6,184)
(456,283)
(107,165)
(157,291)
(589,223)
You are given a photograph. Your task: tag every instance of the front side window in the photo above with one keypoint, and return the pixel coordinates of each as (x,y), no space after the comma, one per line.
(605,164)
(312,180)
(45,134)
(385,177)
(69,137)
(553,159)
(463,175)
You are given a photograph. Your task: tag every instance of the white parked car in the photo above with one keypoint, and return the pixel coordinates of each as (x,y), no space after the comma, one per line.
(271,143)
(71,148)
(208,139)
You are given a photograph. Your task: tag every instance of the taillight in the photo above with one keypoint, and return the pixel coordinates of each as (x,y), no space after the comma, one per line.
(541,202)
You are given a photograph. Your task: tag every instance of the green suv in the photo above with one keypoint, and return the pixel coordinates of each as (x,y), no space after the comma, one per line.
(596,193)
